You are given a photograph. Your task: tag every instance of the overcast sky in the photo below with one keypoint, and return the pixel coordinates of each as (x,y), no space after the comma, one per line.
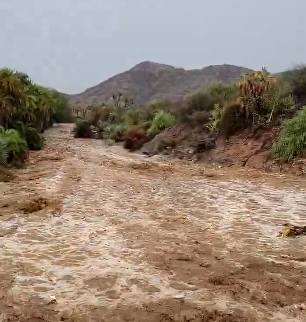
(71,45)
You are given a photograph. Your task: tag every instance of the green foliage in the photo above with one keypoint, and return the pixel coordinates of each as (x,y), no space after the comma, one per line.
(161,121)
(3,152)
(14,148)
(21,100)
(215,119)
(29,109)
(114,132)
(83,129)
(195,109)
(232,120)
(134,117)
(33,138)
(61,113)
(199,109)
(292,139)
(278,101)
(297,80)
(258,99)
(221,93)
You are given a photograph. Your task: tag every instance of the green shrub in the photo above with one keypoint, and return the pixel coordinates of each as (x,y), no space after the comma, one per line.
(215,119)
(297,80)
(200,104)
(133,117)
(14,148)
(232,120)
(3,152)
(83,129)
(292,139)
(221,93)
(114,132)
(278,101)
(198,108)
(34,139)
(161,121)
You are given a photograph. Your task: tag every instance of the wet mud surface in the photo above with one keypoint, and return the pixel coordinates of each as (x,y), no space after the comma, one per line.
(94,233)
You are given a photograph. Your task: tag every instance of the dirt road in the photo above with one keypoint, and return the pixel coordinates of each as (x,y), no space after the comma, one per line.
(115,236)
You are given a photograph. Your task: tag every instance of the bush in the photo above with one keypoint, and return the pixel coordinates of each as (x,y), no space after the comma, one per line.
(199,118)
(113,132)
(33,138)
(278,102)
(83,130)
(215,119)
(297,80)
(14,148)
(133,117)
(134,138)
(200,102)
(3,152)
(198,108)
(221,93)
(292,139)
(232,119)
(161,121)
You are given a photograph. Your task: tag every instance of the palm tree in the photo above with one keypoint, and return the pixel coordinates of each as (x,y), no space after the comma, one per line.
(254,87)
(12,94)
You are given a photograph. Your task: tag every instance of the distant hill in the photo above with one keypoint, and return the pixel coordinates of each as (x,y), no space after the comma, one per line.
(148,81)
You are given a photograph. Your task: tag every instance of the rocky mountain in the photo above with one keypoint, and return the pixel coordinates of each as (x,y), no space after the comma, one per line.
(148,81)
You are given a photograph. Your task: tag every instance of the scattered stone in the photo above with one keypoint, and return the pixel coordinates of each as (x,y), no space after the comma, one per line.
(52,299)
(8,229)
(179,296)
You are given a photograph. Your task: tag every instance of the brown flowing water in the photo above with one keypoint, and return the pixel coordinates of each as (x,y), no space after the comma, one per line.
(115,236)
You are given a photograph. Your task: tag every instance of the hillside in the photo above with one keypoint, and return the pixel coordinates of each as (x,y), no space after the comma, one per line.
(148,81)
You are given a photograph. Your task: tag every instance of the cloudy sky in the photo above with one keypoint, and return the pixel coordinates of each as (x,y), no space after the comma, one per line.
(71,45)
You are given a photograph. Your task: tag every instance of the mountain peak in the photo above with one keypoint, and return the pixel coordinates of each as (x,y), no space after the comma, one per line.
(149,65)
(149,81)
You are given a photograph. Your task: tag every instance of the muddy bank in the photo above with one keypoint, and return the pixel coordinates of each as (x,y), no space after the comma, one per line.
(247,149)
(116,236)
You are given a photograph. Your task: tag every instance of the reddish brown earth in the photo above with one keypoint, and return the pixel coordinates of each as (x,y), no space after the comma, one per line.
(246,149)
(114,236)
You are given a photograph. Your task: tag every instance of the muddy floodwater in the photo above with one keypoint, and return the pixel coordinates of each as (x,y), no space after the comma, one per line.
(95,233)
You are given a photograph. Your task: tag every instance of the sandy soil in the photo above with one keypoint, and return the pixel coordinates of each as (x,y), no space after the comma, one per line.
(115,236)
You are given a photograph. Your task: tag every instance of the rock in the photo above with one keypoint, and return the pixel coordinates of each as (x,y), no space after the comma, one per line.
(151,148)
(7,229)
(179,296)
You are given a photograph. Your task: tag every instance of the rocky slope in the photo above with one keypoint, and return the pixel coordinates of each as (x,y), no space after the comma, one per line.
(148,81)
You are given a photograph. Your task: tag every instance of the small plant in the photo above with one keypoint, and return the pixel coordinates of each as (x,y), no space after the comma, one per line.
(14,148)
(114,132)
(3,152)
(278,102)
(34,139)
(161,121)
(292,139)
(232,119)
(215,119)
(83,129)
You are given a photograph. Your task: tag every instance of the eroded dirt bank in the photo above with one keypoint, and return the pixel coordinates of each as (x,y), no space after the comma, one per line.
(118,237)
(250,149)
